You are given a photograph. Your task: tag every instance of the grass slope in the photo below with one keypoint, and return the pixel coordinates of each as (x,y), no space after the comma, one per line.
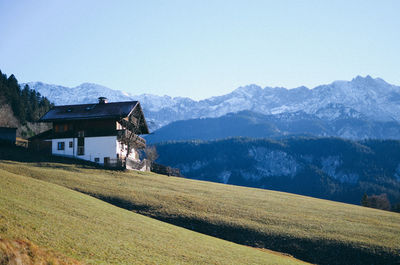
(96,232)
(311,229)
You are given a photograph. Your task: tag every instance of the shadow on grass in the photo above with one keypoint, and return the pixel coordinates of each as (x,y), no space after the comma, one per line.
(314,251)
(120,202)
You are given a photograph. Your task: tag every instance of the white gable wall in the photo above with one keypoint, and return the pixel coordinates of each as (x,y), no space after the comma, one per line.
(100,147)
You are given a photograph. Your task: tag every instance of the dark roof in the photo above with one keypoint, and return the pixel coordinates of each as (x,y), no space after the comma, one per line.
(42,135)
(115,110)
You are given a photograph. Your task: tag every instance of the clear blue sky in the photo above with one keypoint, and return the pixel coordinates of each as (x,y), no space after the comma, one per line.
(199,48)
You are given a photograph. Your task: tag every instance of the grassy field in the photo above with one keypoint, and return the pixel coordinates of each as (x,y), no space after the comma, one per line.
(315,230)
(83,228)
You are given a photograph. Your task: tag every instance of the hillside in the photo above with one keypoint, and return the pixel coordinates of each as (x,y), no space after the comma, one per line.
(252,124)
(310,229)
(94,232)
(329,168)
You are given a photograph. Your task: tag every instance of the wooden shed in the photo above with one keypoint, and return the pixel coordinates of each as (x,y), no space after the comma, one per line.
(8,135)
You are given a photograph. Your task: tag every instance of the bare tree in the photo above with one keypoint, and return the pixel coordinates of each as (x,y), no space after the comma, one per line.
(376,201)
(130,140)
(7,118)
(151,153)
(130,137)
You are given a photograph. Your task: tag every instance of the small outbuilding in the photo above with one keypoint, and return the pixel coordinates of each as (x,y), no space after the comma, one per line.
(8,135)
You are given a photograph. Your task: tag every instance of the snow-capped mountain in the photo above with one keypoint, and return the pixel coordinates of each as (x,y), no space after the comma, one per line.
(363,97)
(84,93)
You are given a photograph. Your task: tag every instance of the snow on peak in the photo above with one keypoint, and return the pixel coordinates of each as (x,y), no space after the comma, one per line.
(366,97)
(248,90)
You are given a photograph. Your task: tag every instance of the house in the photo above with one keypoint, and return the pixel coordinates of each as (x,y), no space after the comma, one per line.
(105,133)
(8,135)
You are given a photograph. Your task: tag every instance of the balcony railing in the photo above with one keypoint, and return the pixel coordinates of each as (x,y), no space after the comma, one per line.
(143,165)
(126,135)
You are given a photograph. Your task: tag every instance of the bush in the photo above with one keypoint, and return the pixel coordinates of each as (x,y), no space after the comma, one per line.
(376,201)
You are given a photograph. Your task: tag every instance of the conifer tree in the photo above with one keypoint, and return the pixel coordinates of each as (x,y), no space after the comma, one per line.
(364,200)
(27,104)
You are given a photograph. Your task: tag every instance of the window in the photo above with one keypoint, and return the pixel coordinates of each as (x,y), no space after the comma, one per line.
(70,144)
(60,146)
(61,127)
(96,159)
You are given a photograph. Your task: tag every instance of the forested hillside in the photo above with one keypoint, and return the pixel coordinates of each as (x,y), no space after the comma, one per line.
(20,107)
(329,168)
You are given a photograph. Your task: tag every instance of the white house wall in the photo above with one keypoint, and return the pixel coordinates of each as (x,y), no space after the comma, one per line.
(95,147)
(100,147)
(66,152)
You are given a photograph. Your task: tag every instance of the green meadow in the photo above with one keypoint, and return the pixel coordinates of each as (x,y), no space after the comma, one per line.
(315,230)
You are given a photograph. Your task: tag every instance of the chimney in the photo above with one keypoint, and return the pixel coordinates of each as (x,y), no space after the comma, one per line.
(103,100)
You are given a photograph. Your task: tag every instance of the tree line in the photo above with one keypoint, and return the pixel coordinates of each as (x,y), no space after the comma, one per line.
(26,104)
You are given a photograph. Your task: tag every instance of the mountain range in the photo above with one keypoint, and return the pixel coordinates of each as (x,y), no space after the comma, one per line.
(362,98)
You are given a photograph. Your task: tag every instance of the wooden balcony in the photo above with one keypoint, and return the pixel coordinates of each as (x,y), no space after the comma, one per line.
(126,135)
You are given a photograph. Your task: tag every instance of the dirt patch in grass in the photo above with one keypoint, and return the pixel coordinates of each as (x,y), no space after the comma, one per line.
(24,252)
